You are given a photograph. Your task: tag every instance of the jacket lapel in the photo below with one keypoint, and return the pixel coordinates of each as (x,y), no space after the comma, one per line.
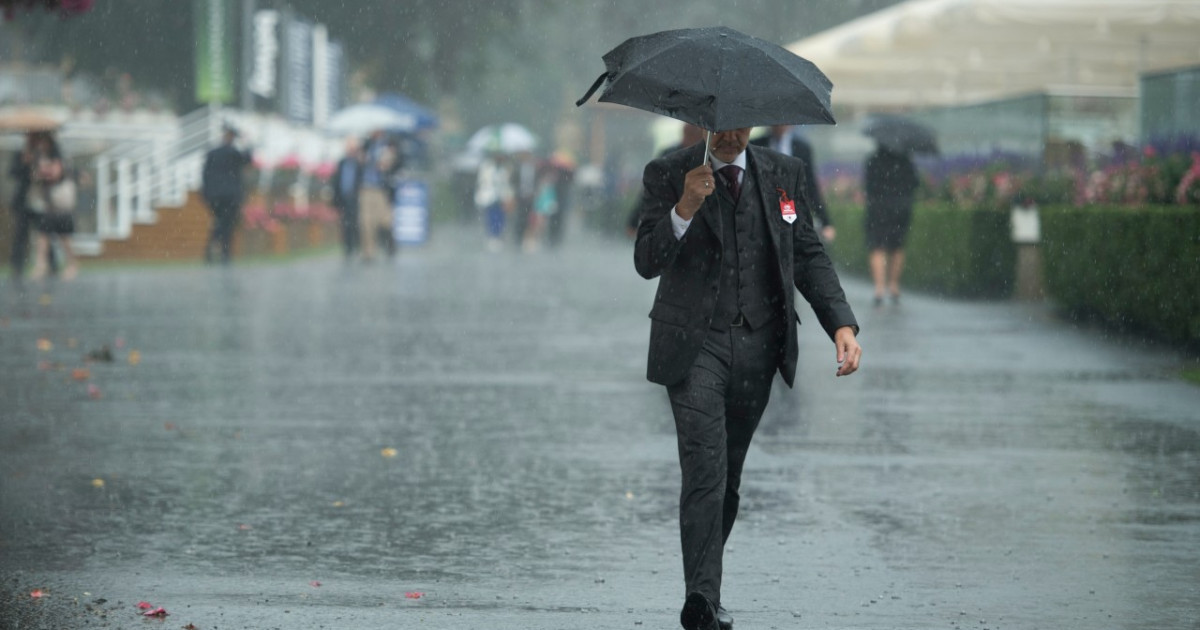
(766,179)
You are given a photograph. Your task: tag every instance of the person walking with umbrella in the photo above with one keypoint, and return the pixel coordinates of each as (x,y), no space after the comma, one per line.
(728,241)
(890,181)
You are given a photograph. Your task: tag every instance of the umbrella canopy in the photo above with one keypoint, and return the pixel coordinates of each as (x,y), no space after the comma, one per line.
(422,117)
(27,120)
(902,135)
(364,118)
(505,138)
(715,78)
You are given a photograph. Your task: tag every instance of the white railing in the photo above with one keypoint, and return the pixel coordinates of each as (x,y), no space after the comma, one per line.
(153,169)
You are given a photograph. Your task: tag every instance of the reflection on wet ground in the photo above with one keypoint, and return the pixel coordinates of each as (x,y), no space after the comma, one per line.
(477,428)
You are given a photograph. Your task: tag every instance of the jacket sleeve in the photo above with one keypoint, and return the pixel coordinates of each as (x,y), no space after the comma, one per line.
(816,279)
(656,246)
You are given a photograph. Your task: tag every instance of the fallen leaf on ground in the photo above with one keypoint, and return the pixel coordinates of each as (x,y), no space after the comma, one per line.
(45,366)
(157,612)
(339,504)
(314,584)
(414,595)
(170,426)
(45,345)
(72,342)
(97,483)
(81,374)
(45,299)
(244,527)
(191,626)
(388,452)
(37,593)
(93,391)
(145,605)
(135,357)
(119,343)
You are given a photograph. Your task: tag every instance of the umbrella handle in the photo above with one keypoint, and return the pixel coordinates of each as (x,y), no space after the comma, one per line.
(592,90)
(707,144)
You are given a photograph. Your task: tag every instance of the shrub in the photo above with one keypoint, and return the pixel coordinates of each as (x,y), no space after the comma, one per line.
(950,251)
(1135,268)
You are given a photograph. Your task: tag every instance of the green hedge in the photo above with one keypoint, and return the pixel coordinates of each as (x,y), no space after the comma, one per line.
(949,251)
(1137,268)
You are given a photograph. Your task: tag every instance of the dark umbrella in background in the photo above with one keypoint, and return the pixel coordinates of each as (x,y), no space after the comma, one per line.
(715,78)
(902,135)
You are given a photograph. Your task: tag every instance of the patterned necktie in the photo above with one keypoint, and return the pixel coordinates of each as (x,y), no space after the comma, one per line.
(729,174)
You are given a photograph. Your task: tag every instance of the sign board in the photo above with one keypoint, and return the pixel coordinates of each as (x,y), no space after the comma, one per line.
(410,213)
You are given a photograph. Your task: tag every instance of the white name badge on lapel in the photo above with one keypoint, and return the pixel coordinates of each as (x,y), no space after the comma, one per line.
(787,207)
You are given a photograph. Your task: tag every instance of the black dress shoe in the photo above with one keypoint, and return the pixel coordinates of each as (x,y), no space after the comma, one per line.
(724,619)
(698,613)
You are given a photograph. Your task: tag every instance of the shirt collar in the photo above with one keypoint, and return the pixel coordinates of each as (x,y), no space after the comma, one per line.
(718,164)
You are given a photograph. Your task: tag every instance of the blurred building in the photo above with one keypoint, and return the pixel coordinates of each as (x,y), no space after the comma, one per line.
(1017,75)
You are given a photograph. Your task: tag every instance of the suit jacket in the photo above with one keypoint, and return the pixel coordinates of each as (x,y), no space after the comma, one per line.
(222,178)
(812,190)
(341,200)
(688,267)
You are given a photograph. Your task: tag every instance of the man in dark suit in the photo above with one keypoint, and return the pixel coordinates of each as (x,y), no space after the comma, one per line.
(223,192)
(784,139)
(728,241)
(347,181)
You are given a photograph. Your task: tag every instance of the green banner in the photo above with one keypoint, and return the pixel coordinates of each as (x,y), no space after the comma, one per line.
(214,50)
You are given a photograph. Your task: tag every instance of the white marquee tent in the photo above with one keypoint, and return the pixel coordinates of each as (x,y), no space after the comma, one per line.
(929,53)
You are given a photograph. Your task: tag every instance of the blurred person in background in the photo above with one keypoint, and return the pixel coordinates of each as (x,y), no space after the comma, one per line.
(784,139)
(494,197)
(21,171)
(890,180)
(51,199)
(223,191)
(375,196)
(347,180)
(525,178)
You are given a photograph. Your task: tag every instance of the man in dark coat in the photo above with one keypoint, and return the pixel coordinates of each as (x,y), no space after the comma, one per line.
(729,241)
(785,140)
(347,180)
(223,192)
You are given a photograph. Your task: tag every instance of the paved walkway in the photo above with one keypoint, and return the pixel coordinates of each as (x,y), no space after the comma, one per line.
(475,429)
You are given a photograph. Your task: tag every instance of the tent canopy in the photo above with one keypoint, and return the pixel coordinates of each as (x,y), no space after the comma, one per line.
(925,53)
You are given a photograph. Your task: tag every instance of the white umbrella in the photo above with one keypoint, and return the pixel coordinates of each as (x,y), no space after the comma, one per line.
(505,138)
(364,118)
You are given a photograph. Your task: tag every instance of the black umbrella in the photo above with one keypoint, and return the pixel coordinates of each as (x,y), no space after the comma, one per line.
(715,78)
(902,135)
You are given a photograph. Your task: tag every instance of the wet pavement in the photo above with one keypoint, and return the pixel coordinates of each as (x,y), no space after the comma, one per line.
(465,440)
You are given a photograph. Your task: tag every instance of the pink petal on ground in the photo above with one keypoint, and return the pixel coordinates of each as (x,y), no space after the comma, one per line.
(414,595)
(314,584)
(157,612)
(145,605)
(93,391)
(37,593)
(244,527)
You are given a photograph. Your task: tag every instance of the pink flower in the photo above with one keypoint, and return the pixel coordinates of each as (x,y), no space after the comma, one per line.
(157,612)
(144,605)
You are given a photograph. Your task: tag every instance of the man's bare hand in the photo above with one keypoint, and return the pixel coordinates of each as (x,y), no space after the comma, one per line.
(698,184)
(848,351)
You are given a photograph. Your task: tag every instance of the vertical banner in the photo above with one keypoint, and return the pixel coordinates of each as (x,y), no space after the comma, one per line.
(337,75)
(298,71)
(320,78)
(214,50)
(263,79)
